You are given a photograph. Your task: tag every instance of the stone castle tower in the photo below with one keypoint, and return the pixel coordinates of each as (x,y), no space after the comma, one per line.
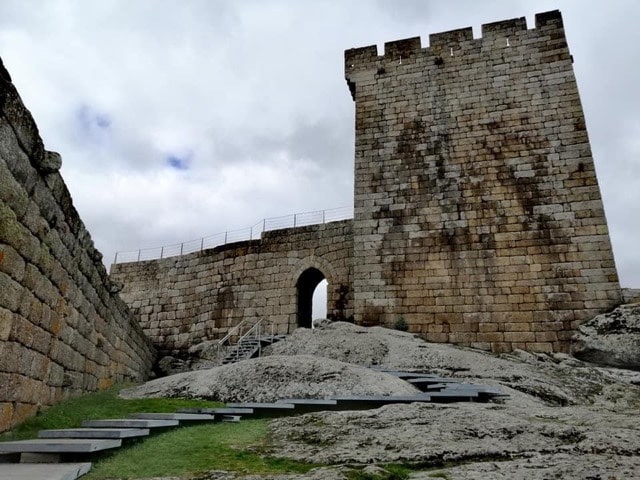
(478,216)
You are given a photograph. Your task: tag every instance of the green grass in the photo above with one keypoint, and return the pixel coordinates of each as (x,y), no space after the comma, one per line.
(104,404)
(192,450)
(178,452)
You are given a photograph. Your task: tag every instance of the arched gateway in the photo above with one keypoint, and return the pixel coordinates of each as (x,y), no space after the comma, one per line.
(307,283)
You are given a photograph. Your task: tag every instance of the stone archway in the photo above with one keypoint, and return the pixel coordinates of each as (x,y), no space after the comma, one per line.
(304,277)
(306,285)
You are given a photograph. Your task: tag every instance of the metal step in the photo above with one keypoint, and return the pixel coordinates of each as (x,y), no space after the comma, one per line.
(377,401)
(448,396)
(303,405)
(403,375)
(218,411)
(429,380)
(60,445)
(94,433)
(180,416)
(40,471)
(130,423)
(267,409)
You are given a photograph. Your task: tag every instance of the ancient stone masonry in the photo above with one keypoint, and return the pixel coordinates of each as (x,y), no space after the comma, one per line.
(63,327)
(182,301)
(478,216)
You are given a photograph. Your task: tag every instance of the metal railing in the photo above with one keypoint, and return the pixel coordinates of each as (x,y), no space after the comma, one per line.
(231,236)
(256,332)
(236,332)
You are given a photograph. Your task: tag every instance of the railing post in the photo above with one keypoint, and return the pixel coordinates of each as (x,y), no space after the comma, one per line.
(278,222)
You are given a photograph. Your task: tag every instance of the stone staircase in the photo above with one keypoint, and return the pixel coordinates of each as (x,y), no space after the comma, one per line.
(24,459)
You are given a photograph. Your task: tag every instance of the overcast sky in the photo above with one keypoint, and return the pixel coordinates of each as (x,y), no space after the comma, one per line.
(181,119)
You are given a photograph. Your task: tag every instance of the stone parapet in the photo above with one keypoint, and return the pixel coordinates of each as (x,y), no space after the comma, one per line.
(182,301)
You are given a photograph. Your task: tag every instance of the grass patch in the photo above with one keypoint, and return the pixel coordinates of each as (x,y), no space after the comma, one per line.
(104,404)
(192,450)
(179,452)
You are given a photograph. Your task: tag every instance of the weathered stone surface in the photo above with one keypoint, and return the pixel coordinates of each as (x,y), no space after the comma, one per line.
(169,365)
(273,378)
(62,329)
(429,434)
(476,199)
(563,419)
(51,162)
(558,379)
(611,339)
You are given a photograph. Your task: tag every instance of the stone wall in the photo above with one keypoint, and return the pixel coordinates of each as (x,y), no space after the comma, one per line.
(631,295)
(478,216)
(182,301)
(63,328)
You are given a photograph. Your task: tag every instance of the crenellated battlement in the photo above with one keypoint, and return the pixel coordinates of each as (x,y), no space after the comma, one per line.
(365,58)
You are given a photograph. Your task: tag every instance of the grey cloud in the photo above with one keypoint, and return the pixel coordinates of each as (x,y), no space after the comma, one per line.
(255,90)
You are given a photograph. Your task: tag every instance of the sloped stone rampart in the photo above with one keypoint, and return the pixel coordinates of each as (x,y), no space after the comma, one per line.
(63,328)
(182,301)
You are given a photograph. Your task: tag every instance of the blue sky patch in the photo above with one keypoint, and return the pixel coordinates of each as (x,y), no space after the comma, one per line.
(178,163)
(92,124)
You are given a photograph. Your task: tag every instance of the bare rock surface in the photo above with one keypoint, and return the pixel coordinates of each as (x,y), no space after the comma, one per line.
(432,434)
(543,467)
(272,378)
(564,418)
(611,339)
(558,379)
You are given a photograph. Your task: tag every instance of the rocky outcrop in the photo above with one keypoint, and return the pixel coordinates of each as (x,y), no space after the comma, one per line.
(564,418)
(274,378)
(611,339)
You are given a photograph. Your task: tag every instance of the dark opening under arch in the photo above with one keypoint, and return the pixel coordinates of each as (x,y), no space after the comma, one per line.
(307,283)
